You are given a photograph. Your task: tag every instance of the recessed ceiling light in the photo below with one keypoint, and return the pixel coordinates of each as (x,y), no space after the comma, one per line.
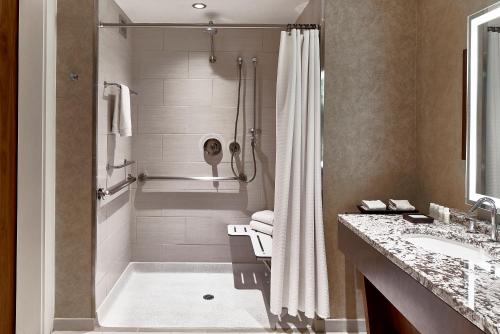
(199,5)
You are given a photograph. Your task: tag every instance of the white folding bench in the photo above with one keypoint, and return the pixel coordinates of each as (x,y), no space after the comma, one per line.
(262,243)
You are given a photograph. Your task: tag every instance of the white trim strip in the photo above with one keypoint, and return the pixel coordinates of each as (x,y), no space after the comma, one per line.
(74,324)
(345,326)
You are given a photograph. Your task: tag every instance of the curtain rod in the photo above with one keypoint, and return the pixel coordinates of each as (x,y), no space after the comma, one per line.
(205,25)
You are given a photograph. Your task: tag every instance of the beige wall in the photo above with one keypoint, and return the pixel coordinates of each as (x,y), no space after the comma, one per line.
(74,164)
(442,35)
(398,68)
(369,128)
(184,100)
(313,13)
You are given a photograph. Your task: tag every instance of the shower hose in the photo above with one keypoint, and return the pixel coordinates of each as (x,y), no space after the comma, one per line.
(235,150)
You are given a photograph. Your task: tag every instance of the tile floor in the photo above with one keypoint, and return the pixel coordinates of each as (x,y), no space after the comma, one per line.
(152,296)
(172,295)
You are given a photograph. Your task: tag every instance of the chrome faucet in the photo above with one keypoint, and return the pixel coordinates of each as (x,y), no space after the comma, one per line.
(493,207)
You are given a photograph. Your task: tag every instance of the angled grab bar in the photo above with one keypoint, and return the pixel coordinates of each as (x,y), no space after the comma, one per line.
(102,193)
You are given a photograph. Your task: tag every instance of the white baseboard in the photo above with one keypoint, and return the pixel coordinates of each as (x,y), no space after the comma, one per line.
(331,325)
(345,326)
(74,324)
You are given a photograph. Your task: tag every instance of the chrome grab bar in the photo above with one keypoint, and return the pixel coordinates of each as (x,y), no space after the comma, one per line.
(144,177)
(102,193)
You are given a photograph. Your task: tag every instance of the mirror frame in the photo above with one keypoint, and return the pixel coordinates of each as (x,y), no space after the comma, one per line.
(474,21)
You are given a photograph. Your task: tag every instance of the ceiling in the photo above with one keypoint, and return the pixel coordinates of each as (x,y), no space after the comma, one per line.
(220,11)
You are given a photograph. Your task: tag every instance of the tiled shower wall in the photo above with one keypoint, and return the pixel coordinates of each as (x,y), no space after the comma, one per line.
(183,101)
(114,214)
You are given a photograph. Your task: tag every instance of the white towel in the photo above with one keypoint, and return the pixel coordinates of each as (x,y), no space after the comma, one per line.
(400,205)
(122,119)
(266,217)
(261,227)
(373,205)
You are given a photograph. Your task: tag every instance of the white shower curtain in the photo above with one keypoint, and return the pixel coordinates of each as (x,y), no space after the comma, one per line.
(492,117)
(299,280)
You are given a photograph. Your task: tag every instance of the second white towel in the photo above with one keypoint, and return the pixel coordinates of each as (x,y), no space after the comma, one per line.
(373,205)
(122,119)
(400,205)
(261,227)
(266,217)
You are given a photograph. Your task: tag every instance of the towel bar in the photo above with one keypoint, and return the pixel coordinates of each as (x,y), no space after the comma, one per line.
(102,193)
(107,84)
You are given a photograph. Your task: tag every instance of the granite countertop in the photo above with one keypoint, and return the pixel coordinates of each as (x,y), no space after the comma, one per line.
(473,290)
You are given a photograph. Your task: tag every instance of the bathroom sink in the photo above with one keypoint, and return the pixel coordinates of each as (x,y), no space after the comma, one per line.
(448,247)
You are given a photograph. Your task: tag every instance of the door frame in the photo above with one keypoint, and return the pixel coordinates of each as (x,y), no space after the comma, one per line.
(8,163)
(36,166)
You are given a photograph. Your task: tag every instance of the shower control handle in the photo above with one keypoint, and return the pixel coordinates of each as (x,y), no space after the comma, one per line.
(212,147)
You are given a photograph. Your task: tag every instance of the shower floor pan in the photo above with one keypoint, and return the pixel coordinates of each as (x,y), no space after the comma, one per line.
(181,296)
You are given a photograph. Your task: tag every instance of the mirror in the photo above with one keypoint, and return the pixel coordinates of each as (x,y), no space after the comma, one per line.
(483,154)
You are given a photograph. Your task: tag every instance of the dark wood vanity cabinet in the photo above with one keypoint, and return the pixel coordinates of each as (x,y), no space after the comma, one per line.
(381,315)
(394,301)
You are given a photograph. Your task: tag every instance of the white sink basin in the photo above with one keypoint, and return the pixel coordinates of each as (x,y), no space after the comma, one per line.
(448,247)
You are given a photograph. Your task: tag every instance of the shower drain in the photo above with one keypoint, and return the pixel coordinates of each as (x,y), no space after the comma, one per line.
(208,297)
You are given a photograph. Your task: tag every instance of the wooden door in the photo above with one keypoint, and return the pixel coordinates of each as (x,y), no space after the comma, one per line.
(8,161)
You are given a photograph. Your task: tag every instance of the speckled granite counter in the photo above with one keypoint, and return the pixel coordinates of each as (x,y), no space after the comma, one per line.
(472,290)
